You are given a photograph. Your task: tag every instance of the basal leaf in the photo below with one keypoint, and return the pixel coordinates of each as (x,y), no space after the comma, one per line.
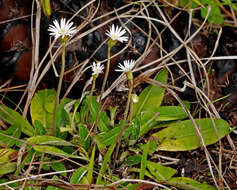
(48,140)
(103,121)
(111,135)
(54,151)
(189,184)
(13,131)
(78,175)
(14,118)
(169,113)
(215,12)
(42,107)
(7,168)
(152,96)
(182,136)
(159,171)
(58,166)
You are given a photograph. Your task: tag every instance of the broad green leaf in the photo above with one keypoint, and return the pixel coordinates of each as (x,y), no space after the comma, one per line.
(104,122)
(12,131)
(84,136)
(78,175)
(189,184)
(58,166)
(152,146)
(40,130)
(14,118)
(215,13)
(151,97)
(42,107)
(169,113)
(132,160)
(182,136)
(7,168)
(54,151)
(48,140)
(62,118)
(159,171)
(101,146)
(111,135)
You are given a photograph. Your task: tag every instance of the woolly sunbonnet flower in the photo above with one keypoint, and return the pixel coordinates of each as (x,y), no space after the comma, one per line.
(116,34)
(128,66)
(62,30)
(97,68)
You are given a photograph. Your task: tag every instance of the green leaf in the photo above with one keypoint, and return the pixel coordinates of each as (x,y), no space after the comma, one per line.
(105,162)
(132,160)
(144,161)
(49,140)
(152,146)
(58,166)
(42,107)
(40,130)
(159,171)
(12,131)
(104,121)
(62,118)
(101,146)
(152,96)
(182,136)
(189,184)
(215,13)
(149,101)
(7,168)
(14,118)
(111,135)
(78,175)
(90,166)
(54,151)
(4,155)
(83,133)
(169,113)
(5,165)
(135,127)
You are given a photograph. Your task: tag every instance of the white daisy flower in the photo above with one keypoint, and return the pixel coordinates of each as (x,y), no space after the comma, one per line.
(97,68)
(128,66)
(117,33)
(62,30)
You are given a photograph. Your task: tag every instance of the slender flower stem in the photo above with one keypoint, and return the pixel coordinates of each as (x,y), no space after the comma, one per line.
(90,97)
(59,87)
(119,138)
